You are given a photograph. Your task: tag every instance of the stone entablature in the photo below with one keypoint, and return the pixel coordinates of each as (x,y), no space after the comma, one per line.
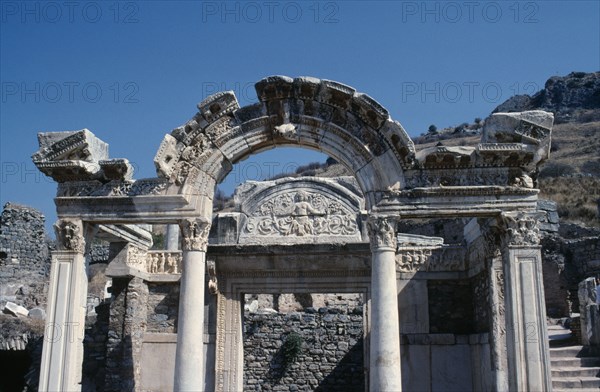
(330,116)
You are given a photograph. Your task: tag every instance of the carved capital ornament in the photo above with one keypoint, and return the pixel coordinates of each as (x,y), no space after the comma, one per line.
(69,235)
(194,234)
(382,233)
(521,229)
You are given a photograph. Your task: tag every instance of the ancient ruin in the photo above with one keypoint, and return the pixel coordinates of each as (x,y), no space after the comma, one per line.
(305,235)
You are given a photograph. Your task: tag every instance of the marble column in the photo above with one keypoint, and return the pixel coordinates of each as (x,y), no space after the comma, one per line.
(526,334)
(384,367)
(189,357)
(172,242)
(62,353)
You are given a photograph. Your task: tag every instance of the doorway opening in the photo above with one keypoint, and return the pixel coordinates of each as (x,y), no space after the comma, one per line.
(304,341)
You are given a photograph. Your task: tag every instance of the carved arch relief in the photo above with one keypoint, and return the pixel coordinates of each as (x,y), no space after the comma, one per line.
(300,210)
(318,114)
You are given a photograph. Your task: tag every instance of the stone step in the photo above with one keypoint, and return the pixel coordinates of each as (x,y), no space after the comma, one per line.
(574,362)
(576,382)
(565,352)
(578,389)
(570,372)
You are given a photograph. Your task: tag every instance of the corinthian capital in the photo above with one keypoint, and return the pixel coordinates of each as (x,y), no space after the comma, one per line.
(194,233)
(382,232)
(69,235)
(521,229)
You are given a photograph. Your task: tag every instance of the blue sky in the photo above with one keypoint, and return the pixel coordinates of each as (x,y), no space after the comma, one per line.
(132,71)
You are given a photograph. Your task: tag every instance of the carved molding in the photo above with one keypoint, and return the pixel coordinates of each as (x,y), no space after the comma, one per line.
(194,234)
(532,132)
(112,188)
(491,234)
(498,351)
(295,274)
(499,274)
(69,235)
(382,233)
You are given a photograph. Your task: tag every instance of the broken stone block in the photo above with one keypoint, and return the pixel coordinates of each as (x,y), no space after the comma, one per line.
(14,309)
(70,156)
(80,145)
(531,128)
(37,313)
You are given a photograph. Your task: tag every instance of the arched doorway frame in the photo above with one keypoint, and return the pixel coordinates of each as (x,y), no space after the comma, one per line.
(331,117)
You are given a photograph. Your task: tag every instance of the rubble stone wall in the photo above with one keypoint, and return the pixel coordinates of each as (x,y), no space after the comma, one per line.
(24,256)
(163,306)
(331,357)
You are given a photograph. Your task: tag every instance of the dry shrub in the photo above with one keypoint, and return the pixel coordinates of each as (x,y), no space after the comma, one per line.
(576,197)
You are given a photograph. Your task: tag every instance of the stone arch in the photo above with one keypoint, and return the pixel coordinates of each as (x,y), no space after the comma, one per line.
(305,112)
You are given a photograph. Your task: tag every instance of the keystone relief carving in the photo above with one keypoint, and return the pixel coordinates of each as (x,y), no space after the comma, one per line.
(286,131)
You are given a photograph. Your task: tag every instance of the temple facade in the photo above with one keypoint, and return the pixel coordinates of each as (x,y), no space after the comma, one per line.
(306,235)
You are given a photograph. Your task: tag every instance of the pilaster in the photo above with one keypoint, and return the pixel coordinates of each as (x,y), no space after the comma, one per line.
(526,334)
(62,353)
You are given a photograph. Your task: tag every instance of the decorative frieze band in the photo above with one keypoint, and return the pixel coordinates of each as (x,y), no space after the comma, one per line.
(161,262)
(152,186)
(430,259)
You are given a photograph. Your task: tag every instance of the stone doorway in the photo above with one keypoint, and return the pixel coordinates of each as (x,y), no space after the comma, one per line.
(313,342)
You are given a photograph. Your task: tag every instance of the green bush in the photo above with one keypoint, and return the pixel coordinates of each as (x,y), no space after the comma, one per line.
(291,348)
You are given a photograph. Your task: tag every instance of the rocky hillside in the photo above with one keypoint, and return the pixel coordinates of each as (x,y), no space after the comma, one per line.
(572,98)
